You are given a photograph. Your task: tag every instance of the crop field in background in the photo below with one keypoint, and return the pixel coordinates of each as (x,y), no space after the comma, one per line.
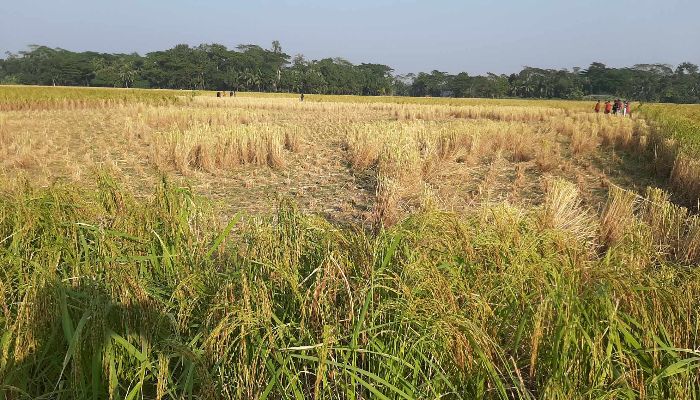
(347,158)
(172,244)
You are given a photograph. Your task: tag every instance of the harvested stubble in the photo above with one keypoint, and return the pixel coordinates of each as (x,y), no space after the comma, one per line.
(107,296)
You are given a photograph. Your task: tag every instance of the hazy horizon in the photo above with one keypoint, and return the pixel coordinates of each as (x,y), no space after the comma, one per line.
(407,35)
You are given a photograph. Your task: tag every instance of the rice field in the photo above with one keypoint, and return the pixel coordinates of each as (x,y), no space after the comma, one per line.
(676,130)
(14,98)
(162,245)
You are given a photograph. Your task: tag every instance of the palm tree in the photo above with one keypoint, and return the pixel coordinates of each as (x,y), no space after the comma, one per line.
(233,79)
(248,79)
(252,79)
(126,72)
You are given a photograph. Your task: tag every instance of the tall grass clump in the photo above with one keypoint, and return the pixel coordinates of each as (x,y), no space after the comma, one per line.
(107,296)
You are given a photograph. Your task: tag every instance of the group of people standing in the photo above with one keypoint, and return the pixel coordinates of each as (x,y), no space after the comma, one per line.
(617,107)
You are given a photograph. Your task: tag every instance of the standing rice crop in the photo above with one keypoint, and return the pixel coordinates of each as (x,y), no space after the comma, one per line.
(109,297)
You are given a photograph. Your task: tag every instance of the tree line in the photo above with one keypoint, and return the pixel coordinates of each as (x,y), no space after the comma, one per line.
(251,67)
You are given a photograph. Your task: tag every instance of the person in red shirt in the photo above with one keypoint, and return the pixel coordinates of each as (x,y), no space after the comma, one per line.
(608,107)
(597,107)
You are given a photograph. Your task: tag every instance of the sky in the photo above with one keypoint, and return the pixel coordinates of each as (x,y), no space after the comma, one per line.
(475,36)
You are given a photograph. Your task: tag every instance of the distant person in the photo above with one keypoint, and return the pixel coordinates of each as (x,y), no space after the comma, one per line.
(608,107)
(218,94)
(232,94)
(301,98)
(624,108)
(616,106)
(597,107)
(628,108)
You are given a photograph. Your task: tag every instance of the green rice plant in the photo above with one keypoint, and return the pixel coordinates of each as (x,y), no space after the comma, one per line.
(110,296)
(675,143)
(32,98)
(680,122)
